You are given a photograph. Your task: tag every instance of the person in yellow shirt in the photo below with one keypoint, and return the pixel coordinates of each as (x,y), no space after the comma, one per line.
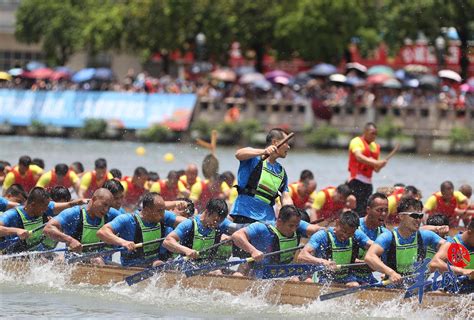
(448,202)
(329,202)
(25,174)
(227,187)
(95,179)
(364,155)
(187,180)
(61,175)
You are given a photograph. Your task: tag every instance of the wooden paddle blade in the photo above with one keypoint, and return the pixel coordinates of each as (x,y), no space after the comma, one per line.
(93,255)
(213,141)
(204,144)
(209,268)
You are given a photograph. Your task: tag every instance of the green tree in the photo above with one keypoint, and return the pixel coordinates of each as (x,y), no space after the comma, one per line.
(56,25)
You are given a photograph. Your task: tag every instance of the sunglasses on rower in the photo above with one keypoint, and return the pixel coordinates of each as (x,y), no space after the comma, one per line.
(413,215)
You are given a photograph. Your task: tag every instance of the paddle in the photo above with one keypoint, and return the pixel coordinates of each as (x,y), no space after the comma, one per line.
(209,268)
(9,243)
(107,252)
(149,272)
(394,150)
(290,270)
(342,293)
(282,142)
(30,253)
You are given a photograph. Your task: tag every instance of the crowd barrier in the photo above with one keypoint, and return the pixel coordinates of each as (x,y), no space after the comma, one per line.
(72,108)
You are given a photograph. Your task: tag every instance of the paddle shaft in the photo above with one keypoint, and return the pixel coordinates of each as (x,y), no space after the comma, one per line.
(392,153)
(290,270)
(282,142)
(13,241)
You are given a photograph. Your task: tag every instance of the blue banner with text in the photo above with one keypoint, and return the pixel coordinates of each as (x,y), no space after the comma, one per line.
(120,109)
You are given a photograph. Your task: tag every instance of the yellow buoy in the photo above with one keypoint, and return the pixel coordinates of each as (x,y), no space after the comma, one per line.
(168,157)
(140,151)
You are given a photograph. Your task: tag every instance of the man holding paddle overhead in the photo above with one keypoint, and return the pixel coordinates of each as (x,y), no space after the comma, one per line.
(261,179)
(364,155)
(337,245)
(404,245)
(143,226)
(78,225)
(258,238)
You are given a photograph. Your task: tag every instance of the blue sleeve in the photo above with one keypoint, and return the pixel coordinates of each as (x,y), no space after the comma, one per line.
(124,226)
(303,229)
(361,238)
(184,228)
(50,210)
(254,231)
(112,214)
(3,204)
(11,219)
(69,219)
(224,226)
(245,169)
(384,240)
(318,242)
(170,219)
(430,239)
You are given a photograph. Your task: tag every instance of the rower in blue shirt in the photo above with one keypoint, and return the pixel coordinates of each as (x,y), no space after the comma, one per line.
(127,230)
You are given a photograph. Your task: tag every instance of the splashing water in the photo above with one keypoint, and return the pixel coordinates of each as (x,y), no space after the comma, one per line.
(45,290)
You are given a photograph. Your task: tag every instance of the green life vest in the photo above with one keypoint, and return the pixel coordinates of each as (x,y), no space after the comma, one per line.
(224,252)
(282,242)
(341,255)
(201,242)
(149,234)
(33,241)
(471,253)
(263,183)
(430,253)
(401,257)
(363,251)
(88,232)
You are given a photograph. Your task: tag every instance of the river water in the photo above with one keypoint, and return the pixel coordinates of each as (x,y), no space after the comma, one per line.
(45,292)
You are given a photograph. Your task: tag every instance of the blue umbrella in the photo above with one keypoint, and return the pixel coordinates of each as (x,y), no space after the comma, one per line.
(15,71)
(381,69)
(103,74)
(64,70)
(322,70)
(83,75)
(33,65)
(263,84)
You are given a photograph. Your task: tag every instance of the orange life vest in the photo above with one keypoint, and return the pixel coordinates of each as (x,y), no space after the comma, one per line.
(185,182)
(355,167)
(298,201)
(208,191)
(95,184)
(447,209)
(27,181)
(166,193)
(330,208)
(134,192)
(54,180)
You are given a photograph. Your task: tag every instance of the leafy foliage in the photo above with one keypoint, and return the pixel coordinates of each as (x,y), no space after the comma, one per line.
(322,136)
(94,129)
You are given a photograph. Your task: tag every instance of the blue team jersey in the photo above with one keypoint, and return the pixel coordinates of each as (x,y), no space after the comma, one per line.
(3,204)
(319,241)
(69,219)
(430,239)
(251,207)
(371,233)
(11,218)
(185,229)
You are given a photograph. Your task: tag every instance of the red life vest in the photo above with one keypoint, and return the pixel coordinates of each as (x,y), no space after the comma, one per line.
(95,184)
(355,167)
(298,201)
(447,209)
(28,181)
(166,193)
(209,190)
(134,192)
(54,180)
(330,208)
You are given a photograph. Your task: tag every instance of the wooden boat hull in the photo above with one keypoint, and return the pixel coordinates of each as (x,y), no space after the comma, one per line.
(274,291)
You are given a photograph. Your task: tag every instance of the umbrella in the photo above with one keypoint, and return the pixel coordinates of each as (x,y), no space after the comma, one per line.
(337,77)
(251,77)
(41,73)
(240,71)
(277,73)
(322,70)
(355,81)
(381,69)
(300,79)
(450,75)
(356,66)
(429,81)
(401,74)
(15,71)
(64,69)
(104,74)
(5,76)
(57,75)
(411,83)
(392,84)
(224,74)
(466,87)
(263,84)
(33,65)
(281,80)
(416,68)
(378,78)
(84,75)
